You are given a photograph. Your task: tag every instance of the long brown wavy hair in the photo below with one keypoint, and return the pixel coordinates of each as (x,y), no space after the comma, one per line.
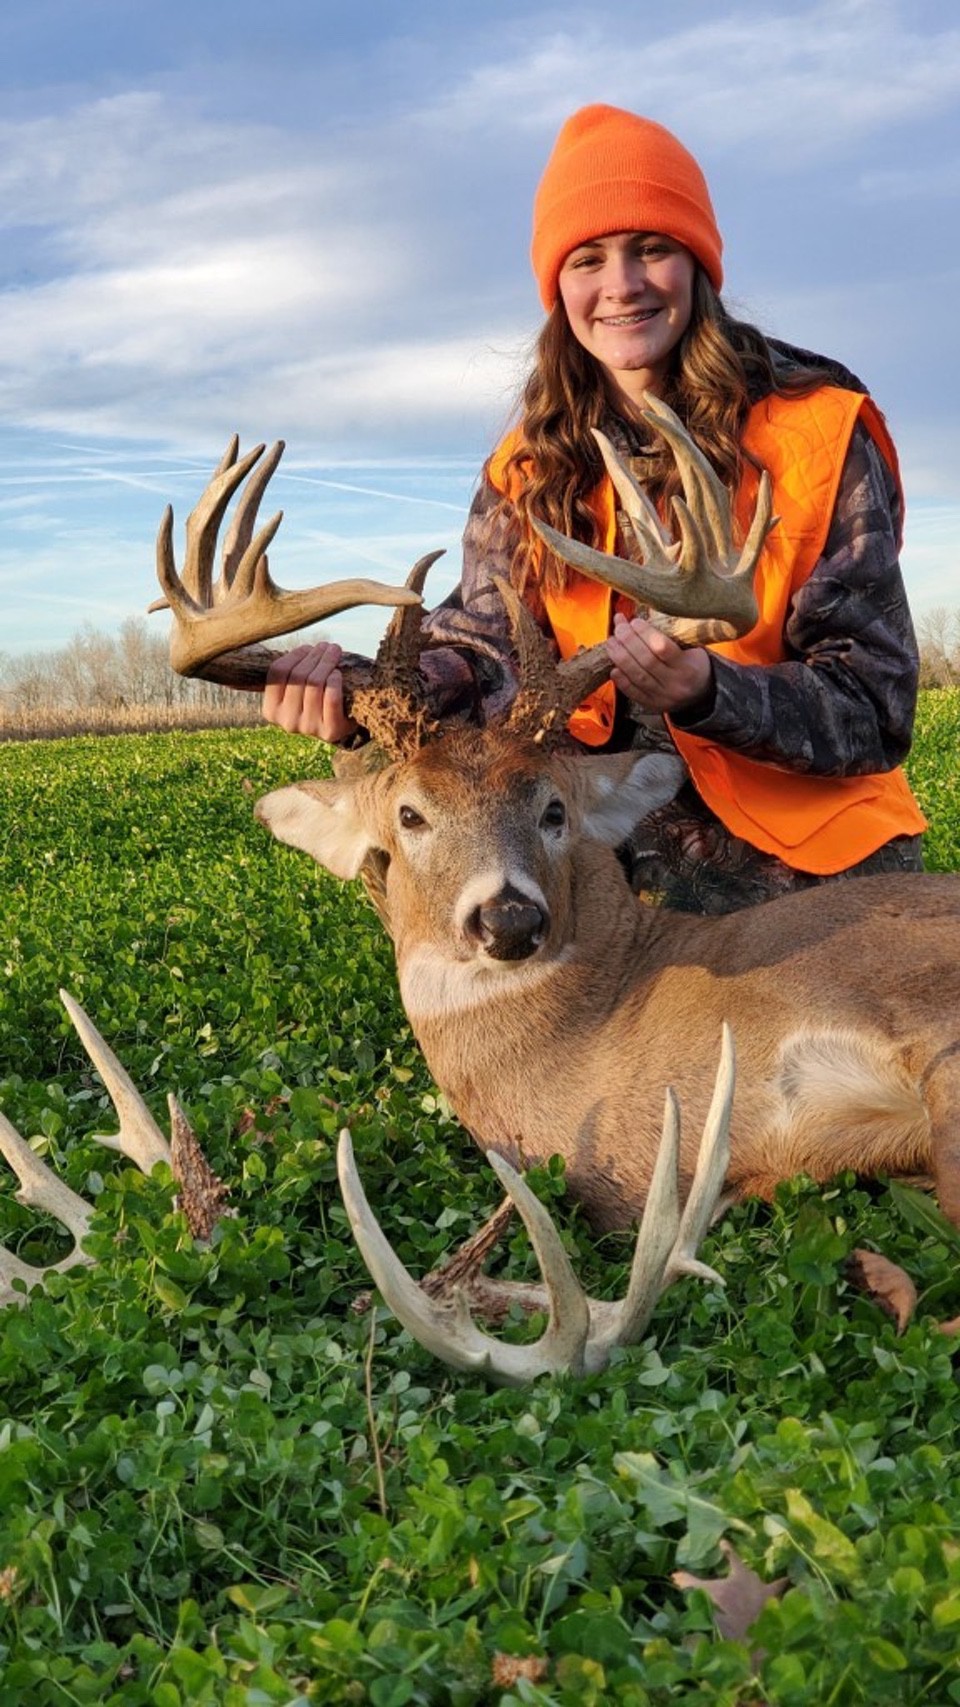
(721,365)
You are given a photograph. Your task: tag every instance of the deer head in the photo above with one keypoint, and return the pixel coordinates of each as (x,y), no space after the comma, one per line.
(486,839)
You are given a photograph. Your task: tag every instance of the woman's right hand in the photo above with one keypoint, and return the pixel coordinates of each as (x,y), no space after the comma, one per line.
(304,693)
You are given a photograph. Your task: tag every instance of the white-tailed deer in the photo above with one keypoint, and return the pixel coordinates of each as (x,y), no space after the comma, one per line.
(553,1008)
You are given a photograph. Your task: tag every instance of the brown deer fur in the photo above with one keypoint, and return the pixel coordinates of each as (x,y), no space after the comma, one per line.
(844,999)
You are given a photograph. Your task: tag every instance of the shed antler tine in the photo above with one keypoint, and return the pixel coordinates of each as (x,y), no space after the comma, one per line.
(445,1330)
(39,1189)
(562,1344)
(139,1137)
(713,1162)
(582,1333)
(656,1234)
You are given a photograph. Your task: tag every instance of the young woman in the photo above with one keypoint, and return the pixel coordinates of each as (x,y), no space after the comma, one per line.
(792,735)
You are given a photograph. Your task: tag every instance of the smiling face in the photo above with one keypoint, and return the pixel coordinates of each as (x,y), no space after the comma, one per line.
(628,298)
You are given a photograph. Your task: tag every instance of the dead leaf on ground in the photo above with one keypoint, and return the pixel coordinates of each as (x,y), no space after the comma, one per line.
(884,1282)
(507,1669)
(738,1598)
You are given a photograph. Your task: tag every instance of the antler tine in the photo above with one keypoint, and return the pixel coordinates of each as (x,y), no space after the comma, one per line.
(240,532)
(705,508)
(201,1195)
(622,1323)
(399,650)
(581,1332)
(703,489)
(548,691)
(642,515)
(713,1161)
(217,625)
(139,1137)
(445,1329)
(695,584)
(194,586)
(39,1189)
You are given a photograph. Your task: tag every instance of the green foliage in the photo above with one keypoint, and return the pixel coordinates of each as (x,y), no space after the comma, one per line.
(200,1503)
(934,771)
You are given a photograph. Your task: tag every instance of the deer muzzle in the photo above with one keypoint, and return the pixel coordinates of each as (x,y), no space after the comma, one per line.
(509,926)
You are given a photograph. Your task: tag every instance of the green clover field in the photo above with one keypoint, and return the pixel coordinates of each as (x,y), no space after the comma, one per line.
(228,1477)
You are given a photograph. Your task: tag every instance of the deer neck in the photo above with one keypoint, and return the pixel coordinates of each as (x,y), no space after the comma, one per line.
(492,1030)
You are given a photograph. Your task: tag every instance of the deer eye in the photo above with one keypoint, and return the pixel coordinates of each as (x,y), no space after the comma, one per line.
(554,815)
(411,819)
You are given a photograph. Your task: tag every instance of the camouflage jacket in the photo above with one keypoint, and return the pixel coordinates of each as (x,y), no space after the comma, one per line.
(841,704)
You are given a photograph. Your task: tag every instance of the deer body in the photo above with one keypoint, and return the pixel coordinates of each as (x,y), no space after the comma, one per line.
(552,1007)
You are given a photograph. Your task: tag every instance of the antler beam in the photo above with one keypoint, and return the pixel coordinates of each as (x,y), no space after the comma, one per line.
(581,1332)
(213,618)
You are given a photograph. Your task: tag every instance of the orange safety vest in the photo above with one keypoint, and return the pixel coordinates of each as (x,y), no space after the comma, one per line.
(816,824)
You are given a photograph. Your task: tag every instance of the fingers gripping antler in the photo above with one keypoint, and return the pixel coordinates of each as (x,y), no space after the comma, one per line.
(699,581)
(581,1332)
(212,618)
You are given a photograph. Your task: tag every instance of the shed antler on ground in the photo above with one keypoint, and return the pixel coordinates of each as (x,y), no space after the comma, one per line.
(202,1195)
(582,1332)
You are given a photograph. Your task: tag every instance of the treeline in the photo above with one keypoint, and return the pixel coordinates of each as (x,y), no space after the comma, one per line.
(101,682)
(938,634)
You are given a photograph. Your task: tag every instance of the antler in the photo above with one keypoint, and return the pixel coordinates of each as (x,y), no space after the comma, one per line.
(549,691)
(581,1332)
(390,698)
(139,1138)
(699,581)
(212,618)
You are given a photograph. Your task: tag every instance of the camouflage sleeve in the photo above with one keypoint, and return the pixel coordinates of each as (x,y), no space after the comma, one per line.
(475,656)
(842,703)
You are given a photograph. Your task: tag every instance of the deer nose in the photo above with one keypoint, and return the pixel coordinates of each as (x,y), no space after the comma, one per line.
(510,926)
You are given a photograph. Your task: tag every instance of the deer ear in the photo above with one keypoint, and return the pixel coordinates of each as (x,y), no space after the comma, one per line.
(621,790)
(323,819)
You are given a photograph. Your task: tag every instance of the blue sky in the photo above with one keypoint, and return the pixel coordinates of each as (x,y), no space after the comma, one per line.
(311,221)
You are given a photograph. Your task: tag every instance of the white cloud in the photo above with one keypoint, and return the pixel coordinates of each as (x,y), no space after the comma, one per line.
(800,82)
(358,282)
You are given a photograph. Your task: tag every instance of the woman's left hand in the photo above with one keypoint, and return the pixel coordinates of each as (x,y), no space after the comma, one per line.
(653,670)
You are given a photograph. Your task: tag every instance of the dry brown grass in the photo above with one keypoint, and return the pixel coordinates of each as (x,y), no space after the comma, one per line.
(51,723)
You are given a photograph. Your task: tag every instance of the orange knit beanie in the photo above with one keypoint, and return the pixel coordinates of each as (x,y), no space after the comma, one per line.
(613,171)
